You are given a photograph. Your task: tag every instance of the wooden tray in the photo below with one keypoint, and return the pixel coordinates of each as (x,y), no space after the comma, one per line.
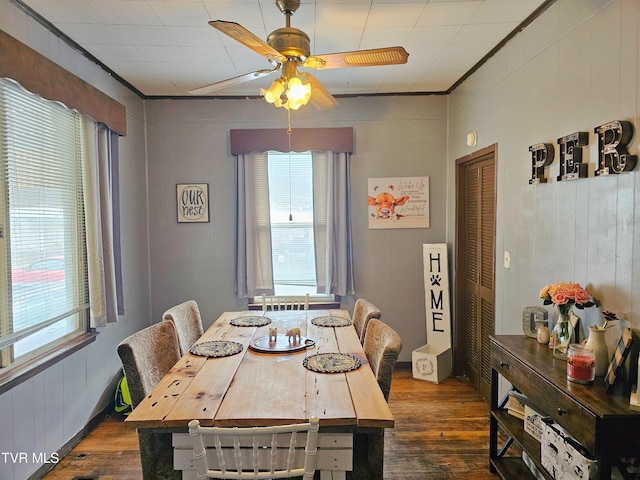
(281,345)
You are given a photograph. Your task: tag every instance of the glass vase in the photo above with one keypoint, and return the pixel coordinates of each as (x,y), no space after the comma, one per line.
(562,337)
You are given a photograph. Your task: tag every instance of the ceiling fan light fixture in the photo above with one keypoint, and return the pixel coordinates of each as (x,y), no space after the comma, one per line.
(274,92)
(291,91)
(298,93)
(297,90)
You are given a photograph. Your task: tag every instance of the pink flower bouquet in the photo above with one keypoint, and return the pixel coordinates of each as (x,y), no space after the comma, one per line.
(565,295)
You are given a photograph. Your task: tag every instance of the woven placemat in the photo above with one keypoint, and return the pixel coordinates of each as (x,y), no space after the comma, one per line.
(331,362)
(251,321)
(216,348)
(331,321)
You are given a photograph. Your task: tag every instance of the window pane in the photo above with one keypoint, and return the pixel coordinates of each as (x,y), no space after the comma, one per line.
(293,255)
(291,204)
(42,205)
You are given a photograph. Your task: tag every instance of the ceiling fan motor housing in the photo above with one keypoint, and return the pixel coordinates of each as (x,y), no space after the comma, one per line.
(290,42)
(288,7)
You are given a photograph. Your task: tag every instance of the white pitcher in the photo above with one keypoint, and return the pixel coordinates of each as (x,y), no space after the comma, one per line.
(596,342)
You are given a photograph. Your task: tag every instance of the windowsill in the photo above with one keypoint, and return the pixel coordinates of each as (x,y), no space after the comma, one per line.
(312,306)
(18,374)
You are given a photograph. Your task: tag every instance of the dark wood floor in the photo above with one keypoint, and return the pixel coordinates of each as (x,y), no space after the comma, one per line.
(441,432)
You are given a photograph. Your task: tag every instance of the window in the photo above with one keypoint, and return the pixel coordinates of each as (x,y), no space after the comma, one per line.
(43,296)
(330,150)
(291,213)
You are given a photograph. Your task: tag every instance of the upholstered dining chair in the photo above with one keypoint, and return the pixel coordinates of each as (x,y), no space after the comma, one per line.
(186,317)
(275,302)
(382,345)
(146,357)
(255,452)
(363,311)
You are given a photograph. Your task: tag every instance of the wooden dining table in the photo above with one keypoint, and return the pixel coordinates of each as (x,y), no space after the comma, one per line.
(259,386)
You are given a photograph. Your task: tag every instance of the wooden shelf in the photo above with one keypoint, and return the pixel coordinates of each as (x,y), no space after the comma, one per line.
(510,468)
(515,428)
(601,421)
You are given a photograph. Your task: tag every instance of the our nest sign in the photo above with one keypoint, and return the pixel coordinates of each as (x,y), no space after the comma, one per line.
(193,202)
(613,157)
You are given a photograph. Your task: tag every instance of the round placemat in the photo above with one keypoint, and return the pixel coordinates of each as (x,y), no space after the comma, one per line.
(216,348)
(331,321)
(331,362)
(252,321)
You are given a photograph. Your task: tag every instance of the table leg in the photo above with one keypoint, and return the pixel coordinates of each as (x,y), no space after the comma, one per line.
(156,456)
(368,454)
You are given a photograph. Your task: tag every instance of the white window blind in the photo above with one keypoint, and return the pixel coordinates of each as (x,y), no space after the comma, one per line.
(291,211)
(42,216)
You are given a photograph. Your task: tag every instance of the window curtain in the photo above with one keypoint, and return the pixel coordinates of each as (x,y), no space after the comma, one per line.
(254,270)
(332,223)
(102,217)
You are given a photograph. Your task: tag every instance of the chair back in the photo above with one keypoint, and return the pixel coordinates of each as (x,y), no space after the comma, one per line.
(147,356)
(275,302)
(382,345)
(186,318)
(363,311)
(255,452)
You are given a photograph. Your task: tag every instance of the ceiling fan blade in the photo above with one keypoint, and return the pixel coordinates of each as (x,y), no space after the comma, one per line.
(358,58)
(320,97)
(232,81)
(248,39)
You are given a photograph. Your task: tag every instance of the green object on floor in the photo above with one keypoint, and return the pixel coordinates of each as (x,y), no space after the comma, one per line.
(122,397)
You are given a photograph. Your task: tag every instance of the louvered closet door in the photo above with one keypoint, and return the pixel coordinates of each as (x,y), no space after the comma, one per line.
(475,266)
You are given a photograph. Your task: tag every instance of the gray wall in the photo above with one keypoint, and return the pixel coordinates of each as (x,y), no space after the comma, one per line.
(576,67)
(46,411)
(189,142)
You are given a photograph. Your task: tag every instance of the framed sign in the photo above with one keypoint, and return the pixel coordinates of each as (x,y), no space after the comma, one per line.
(399,202)
(193,202)
(619,356)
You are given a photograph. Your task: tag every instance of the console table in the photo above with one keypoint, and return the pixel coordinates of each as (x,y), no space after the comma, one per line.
(603,422)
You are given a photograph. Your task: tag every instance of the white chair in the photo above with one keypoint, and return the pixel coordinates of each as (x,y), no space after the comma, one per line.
(188,322)
(255,452)
(275,302)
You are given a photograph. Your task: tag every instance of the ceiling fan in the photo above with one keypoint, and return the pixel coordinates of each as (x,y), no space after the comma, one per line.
(288,49)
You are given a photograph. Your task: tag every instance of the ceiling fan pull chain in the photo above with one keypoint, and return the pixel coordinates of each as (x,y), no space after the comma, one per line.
(289,136)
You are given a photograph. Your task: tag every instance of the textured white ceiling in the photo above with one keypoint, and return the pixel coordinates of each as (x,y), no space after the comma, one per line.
(166,48)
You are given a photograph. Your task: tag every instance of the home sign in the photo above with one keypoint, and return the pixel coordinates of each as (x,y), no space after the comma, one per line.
(434,361)
(613,157)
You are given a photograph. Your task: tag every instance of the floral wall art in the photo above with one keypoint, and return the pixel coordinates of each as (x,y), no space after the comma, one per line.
(398,202)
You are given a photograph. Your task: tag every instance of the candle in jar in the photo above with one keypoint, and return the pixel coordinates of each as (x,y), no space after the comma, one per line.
(581,364)
(543,334)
